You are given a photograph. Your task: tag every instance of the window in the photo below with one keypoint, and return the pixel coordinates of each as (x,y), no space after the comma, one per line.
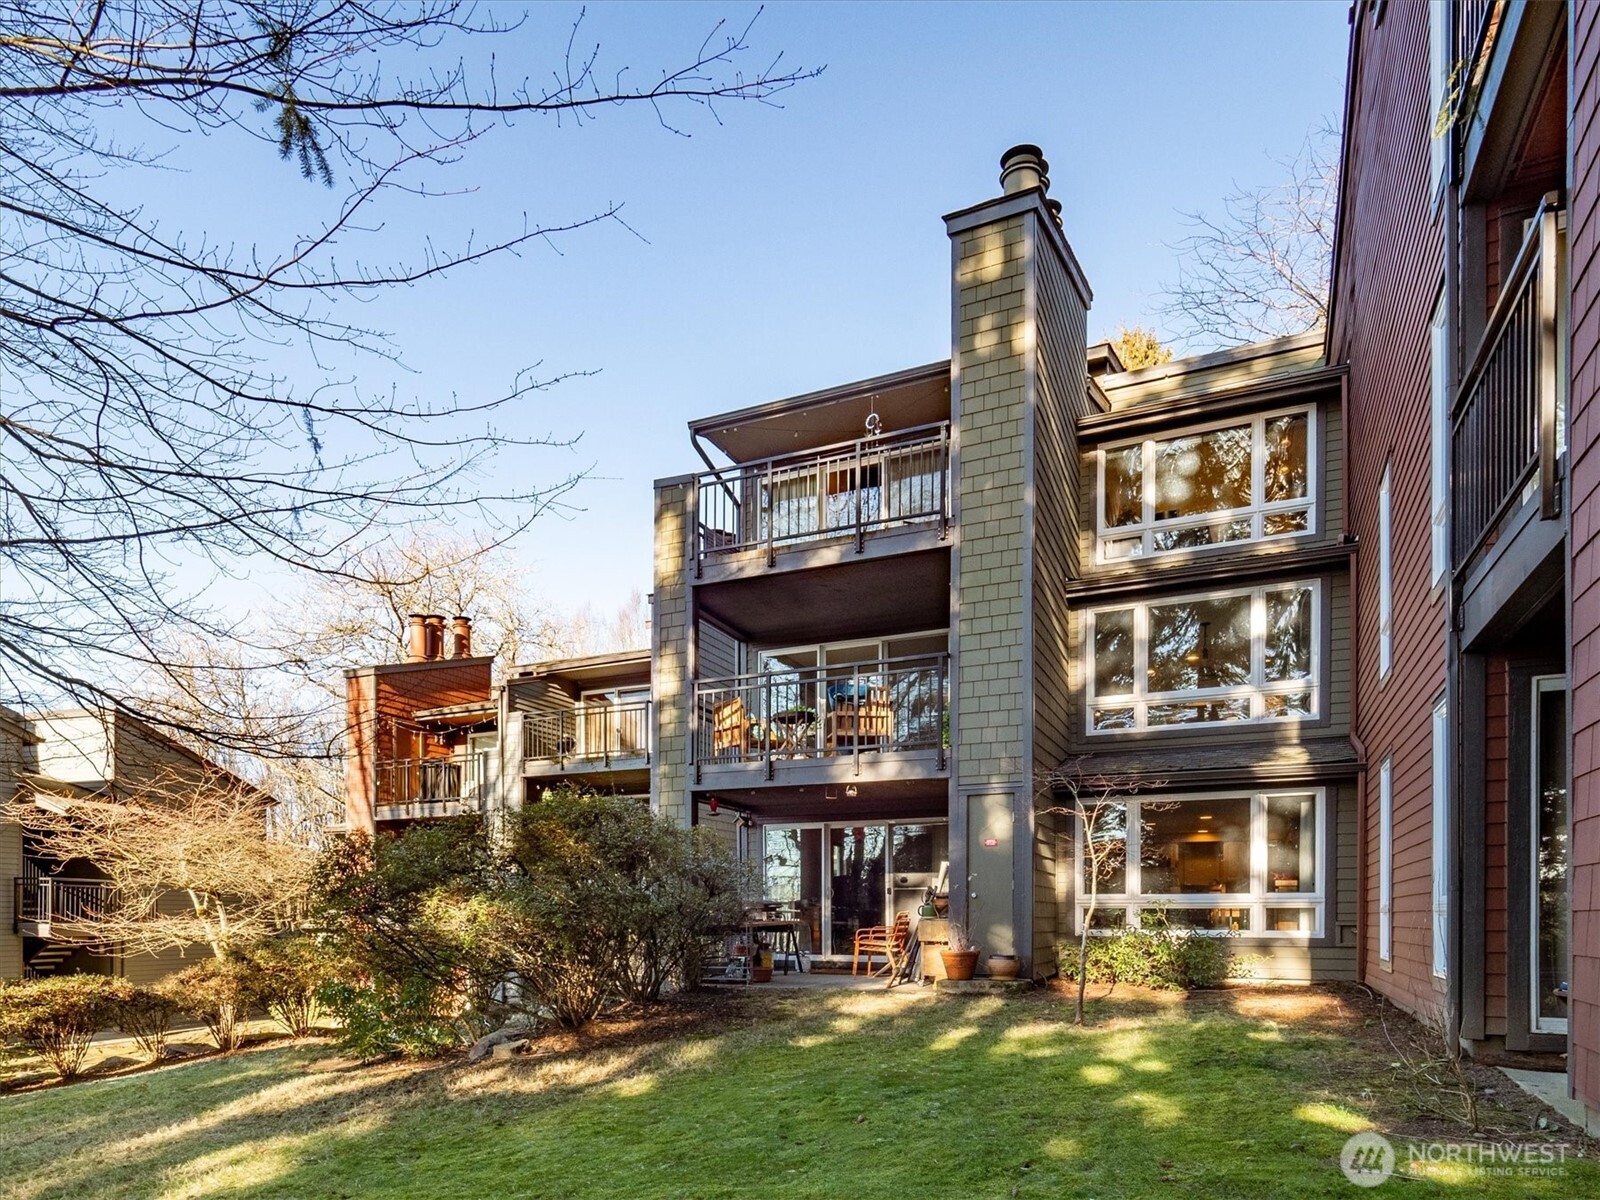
(1441,840)
(1208,487)
(1438,88)
(1441,440)
(1385,580)
(1248,655)
(1232,863)
(1385,860)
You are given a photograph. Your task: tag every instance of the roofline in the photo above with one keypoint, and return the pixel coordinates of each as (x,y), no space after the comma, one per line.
(387,668)
(846,391)
(556,666)
(1213,358)
(1351,66)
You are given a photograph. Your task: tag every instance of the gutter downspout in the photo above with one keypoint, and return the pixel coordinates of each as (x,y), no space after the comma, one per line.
(1363,877)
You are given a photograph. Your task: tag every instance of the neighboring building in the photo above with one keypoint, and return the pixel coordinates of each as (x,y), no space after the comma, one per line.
(54,758)
(434,736)
(1463,305)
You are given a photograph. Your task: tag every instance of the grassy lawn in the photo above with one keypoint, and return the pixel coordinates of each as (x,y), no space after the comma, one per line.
(1247,1093)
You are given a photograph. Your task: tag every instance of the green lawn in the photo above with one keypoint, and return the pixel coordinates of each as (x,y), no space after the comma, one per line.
(837,1094)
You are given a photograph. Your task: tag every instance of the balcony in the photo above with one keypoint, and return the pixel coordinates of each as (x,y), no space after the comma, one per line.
(1509,416)
(873,719)
(412,789)
(844,493)
(43,901)
(593,736)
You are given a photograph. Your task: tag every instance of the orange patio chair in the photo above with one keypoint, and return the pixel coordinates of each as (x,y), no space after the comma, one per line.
(890,941)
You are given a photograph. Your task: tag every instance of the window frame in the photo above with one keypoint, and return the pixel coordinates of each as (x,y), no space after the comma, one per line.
(1256,690)
(1256,511)
(1386,862)
(1385,575)
(1440,837)
(1258,899)
(1439,462)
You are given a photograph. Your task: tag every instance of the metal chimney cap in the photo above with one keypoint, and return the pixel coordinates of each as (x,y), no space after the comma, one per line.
(1023,167)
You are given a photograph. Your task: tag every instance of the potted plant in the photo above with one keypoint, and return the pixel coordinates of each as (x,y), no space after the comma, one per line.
(960,955)
(1004,966)
(761,964)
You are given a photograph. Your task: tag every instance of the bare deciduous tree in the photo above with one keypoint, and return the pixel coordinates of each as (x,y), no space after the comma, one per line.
(1261,268)
(1097,803)
(180,406)
(187,857)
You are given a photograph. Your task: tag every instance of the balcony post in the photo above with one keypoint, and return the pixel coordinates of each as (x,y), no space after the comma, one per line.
(943,478)
(857,492)
(767,723)
(772,517)
(696,533)
(648,738)
(944,704)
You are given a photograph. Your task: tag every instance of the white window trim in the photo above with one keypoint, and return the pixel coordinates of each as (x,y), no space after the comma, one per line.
(1148,526)
(1440,401)
(1441,840)
(1386,861)
(1256,690)
(1385,578)
(1258,899)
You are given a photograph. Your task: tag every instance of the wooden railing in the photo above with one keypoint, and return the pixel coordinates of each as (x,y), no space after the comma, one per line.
(589,733)
(847,489)
(1509,413)
(45,899)
(460,780)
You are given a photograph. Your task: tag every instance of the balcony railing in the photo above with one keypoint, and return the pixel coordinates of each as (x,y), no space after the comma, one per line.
(848,489)
(1472,28)
(49,899)
(459,782)
(1510,412)
(854,712)
(591,733)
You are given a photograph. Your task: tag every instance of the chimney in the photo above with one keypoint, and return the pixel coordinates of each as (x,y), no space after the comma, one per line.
(461,637)
(416,638)
(434,623)
(1023,167)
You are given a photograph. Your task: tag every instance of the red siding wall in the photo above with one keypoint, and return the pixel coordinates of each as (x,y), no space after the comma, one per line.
(1584,540)
(1388,274)
(1495,817)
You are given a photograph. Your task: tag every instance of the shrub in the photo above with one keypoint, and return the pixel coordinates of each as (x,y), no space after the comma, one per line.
(380,1018)
(217,992)
(289,972)
(612,900)
(144,1014)
(1156,956)
(57,1017)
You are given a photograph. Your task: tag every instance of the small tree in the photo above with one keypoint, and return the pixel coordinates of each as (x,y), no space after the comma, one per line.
(188,859)
(1097,803)
(144,1014)
(1140,347)
(219,993)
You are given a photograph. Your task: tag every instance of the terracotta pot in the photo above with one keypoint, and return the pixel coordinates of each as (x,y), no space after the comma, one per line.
(1004,966)
(760,974)
(959,964)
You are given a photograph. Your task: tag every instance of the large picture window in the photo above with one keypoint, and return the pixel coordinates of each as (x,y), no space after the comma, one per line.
(1245,863)
(1247,655)
(1208,487)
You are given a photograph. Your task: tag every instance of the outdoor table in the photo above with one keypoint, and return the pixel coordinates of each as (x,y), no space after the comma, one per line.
(795,726)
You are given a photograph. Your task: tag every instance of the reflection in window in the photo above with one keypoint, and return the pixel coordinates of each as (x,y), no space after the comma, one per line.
(1241,656)
(1243,482)
(1242,863)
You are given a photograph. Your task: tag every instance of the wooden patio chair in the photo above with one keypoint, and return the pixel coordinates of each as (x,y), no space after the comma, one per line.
(861,722)
(730,731)
(891,941)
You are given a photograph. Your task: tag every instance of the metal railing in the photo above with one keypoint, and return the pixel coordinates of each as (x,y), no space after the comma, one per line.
(889,706)
(589,733)
(1510,409)
(462,779)
(851,488)
(1472,28)
(45,899)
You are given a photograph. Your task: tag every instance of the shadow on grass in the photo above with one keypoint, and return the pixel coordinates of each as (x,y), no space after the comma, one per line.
(847,1094)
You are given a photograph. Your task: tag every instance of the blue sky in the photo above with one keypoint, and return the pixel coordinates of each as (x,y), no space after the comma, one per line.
(796,247)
